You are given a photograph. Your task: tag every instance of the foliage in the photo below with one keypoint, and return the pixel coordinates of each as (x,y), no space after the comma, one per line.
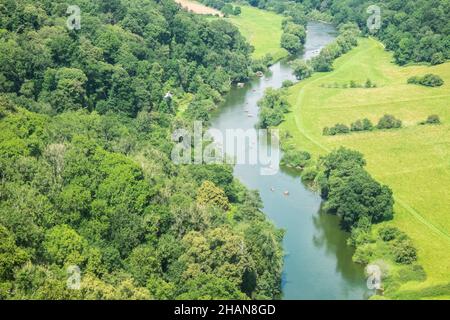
(431,119)
(428,80)
(390,233)
(290,42)
(404,252)
(273,105)
(86,178)
(295,159)
(287,84)
(302,69)
(361,125)
(210,194)
(389,122)
(351,193)
(338,128)
(293,37)
(414,31)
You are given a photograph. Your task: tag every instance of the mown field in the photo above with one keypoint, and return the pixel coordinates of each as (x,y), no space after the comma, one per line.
(262,29)
(414,160)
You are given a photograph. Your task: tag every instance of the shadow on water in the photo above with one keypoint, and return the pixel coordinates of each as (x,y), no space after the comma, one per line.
(318,262)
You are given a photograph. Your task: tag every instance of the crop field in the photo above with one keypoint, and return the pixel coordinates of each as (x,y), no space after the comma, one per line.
(413,160)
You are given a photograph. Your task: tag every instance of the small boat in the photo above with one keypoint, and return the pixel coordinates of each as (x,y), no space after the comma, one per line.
(272,189)
(286,193)
(249,115)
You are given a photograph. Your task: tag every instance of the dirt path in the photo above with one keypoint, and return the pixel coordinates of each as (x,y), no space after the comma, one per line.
(198,7)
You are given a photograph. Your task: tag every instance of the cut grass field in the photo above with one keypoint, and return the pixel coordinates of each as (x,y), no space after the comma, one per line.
(262,29)
(414,160)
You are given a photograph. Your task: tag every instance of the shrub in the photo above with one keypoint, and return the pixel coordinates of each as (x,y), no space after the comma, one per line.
(404,252)
(302,69)
(361,233)
(432,119)
(429,80)
(363,254)
(389,233)
(290,42)
(287,84)
(273,105)
(361,125)
(210,194)
(339,128)
(437,58)
(296,159)
(389,122)
(309,174)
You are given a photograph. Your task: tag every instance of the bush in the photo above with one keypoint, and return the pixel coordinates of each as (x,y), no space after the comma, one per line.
(309,174)
(389,233)
(287,84)
(339,128)
(404,252)
(296,159)
(290,42)
(363,254)
(273,105)
(429,80)
(361,125)
(361,233)
(302,69)
(432,119)
(389,122)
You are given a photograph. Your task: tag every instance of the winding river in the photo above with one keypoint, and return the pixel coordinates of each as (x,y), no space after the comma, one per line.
(317,261)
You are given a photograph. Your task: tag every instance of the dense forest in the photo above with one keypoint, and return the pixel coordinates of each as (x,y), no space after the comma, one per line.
(416,31)
(86,178)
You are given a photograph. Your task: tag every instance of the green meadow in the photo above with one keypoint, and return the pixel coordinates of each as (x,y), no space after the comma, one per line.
(262,29)
(414,160)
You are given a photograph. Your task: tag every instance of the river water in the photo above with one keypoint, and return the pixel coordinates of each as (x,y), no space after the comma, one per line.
(317,262)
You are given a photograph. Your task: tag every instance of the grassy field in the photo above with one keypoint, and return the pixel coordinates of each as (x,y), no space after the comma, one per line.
(262,29)
(414,160)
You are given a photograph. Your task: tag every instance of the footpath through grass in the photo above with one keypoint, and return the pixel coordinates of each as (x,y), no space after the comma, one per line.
(414,160)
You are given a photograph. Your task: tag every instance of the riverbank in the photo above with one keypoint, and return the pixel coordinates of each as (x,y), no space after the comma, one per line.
(318,261)
(413,160)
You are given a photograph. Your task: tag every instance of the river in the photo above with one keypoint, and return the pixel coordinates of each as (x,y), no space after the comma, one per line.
(317,262)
